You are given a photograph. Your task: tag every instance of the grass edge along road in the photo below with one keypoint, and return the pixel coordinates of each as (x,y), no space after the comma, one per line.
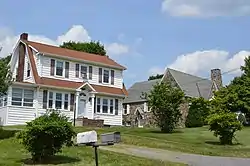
(13,154)
(188,140)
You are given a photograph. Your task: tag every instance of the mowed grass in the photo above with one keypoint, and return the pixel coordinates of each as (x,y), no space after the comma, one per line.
(13,154)
(189,140)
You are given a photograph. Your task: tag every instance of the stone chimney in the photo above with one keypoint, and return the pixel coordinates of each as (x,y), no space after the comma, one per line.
(24,36)
(216,78)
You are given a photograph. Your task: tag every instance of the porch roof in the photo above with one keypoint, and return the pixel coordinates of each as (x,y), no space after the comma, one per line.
(75,85)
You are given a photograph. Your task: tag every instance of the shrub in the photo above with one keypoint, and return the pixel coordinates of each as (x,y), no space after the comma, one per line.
(224,125)
(46,135)
(198,112)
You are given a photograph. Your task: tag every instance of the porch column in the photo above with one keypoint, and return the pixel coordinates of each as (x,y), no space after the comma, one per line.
(77,101)
(92,106)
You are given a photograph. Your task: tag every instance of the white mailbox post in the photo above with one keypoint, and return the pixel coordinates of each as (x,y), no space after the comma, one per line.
(89,138)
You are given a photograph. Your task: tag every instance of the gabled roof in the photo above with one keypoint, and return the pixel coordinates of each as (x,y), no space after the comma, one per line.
(43,81)
(72,54)
(191,85)
(135,91)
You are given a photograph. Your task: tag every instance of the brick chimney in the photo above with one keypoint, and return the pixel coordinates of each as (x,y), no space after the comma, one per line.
(24,36)
(216,78)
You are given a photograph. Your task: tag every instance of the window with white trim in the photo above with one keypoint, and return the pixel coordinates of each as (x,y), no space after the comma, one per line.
(58,101)
(84,71)
(28,69)
(22,97)
(105,106)
(28,96)
(106,76)
(59,68)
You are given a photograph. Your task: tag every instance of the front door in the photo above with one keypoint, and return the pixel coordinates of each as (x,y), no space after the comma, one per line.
(81,107)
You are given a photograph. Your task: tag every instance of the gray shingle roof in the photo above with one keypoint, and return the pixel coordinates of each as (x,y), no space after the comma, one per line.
(135,91)
(191,85)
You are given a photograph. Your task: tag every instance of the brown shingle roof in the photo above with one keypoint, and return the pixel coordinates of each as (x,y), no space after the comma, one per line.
(63,52)
(75,85)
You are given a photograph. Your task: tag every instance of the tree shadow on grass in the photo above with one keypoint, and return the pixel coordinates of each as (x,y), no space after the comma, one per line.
(5,134)
(219,144)
(55,160)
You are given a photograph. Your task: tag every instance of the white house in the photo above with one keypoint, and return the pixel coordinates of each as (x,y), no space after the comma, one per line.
(50,77)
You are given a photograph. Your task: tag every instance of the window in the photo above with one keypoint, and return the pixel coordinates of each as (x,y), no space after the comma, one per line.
(28,69)
(90,72)
(28,98)
(66,101)
(17,96)
(116,106)
(106,76)
(58,101)
(125,109)
(111,106)
(105,106)
(50,99)
(77,71)
(84,72)
(22,97)
(59,68)
(98,105)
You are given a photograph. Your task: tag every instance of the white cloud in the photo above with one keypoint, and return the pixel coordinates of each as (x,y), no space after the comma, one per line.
(203,61)
(116,49)
(206,8)
(76,33)
(200,63)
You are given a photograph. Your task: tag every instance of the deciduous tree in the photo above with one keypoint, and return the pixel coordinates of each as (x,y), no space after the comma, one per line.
(93,47)
(5,75)
(165,101)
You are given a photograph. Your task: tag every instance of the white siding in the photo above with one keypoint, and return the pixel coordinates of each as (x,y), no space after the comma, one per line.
(20,115)
(3,114)
(45,60)
(113,120)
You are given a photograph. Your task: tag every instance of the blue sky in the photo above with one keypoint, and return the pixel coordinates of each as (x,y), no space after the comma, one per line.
(145,36)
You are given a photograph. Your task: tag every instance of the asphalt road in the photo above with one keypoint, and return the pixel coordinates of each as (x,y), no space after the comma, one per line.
(190,159)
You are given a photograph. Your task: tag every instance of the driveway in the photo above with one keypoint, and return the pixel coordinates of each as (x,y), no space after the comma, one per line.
(190,159)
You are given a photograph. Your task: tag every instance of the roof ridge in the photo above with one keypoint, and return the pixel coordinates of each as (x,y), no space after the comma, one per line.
(66,48)
(188,74)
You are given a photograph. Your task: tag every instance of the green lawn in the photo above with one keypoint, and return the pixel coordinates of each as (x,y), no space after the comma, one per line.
(190,140)
(13,154)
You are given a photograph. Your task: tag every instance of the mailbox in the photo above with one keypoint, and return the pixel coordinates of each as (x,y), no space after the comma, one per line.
(88,137)
(114,137)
